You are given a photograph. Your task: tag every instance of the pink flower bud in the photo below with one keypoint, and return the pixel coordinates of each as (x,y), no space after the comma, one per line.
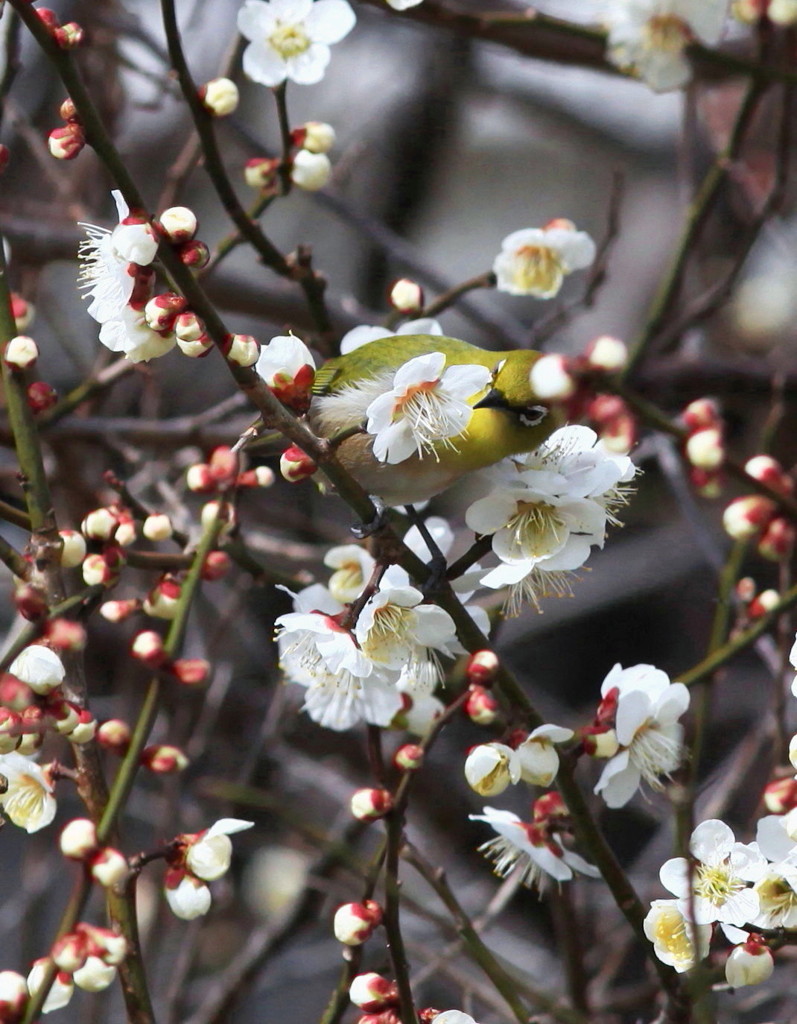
(65,635)
(163,600)
(214,510)
(69,36)
(749,964)
(196,349)
(30,602)
(109,867)
(21,309)
(747,516)
(194,253)
(163,759)
(700,414)
(48,18)
(242,349)
(85,730)
(548,807)
(769,471)
(217,565)
(114,735)
(354,922)
(198,478)
(13,996)
(371,804)
(14,694)
(780,796)
(104,943)
(599,741)
(315,136)
(118,611)
(67,142)
(296,465)
(78,839)
(409,758)
(41,396)
(100,524)
(63,714)
(178,223)
(705,448)
(20,353)
(191,671)
(69,952)
(157,527)
(707,483)
(188,327)
(94,975)
(480,706)
(96,571)
(606,354)
(261,171)
(777,542)
(160,312)
(68,110)
(219,96)
(372,993)
(223,466)
(147,646)
(74,550)
(406,296)
(482,667)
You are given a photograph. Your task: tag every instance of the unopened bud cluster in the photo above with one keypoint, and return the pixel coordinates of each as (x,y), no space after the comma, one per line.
(573,383)
(756,516)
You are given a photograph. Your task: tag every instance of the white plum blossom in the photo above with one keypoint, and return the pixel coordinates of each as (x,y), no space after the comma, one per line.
(39,667)
(209,856)
(188,899)
(651,36)
(95,975)
(29,797)
(394,626)
(129,333)
(290,39)
(545,512)
(343,685)
(106,257)
(359,336)
(282,359)
(539,854)
(426,404)
(674,937)
(647,729)
(719,879)
(448,1016)
(535,261)
(61,989)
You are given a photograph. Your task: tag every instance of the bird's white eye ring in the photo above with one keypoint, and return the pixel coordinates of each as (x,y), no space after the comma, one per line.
(533,415)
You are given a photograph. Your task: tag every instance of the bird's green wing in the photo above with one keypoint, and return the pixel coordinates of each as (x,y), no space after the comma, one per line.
(389,354)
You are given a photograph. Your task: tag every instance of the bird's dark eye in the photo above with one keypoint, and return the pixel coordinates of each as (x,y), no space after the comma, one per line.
(532,415)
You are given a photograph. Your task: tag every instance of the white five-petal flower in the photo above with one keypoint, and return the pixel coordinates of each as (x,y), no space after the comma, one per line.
(29,797)
(290,39)
(673,935)
(106,256)
(426,405)
(719,878)
(535,261)
(538,853)
(651,36)
(647,729)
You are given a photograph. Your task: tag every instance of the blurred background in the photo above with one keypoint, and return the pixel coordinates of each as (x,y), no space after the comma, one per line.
(446,144)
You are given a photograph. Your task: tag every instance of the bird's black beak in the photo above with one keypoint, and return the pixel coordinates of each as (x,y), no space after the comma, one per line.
(494,399)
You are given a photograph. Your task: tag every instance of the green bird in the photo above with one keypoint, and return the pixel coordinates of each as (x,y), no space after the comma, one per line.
(431,422)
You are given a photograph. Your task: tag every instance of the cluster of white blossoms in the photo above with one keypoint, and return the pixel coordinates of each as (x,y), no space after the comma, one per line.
(546,510)
(744,888)
(382,668)
(113,264)
(650,37)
